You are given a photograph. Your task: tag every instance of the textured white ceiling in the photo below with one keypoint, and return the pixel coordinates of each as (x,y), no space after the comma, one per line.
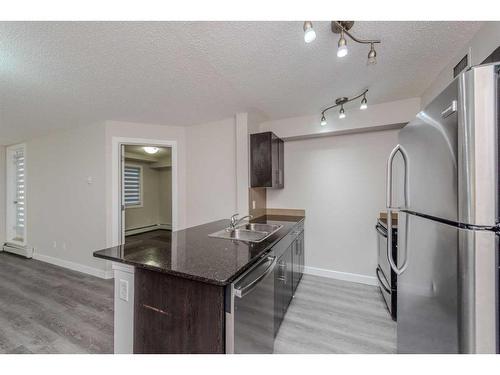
(56,75)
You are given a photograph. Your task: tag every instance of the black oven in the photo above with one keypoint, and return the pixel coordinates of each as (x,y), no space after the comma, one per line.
(387,278)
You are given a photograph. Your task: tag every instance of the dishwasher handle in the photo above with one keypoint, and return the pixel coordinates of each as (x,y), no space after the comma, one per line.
(242,292)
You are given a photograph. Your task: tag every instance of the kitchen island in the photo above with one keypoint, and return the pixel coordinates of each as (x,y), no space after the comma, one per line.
(173,296)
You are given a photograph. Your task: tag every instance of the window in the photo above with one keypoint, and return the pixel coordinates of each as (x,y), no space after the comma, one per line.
(20,199)
(132,186)
(16,194)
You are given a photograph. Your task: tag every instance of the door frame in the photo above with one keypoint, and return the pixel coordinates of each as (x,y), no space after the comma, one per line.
(10,193)
(116,212)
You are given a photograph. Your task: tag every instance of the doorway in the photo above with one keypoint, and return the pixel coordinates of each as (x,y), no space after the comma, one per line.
(146,186)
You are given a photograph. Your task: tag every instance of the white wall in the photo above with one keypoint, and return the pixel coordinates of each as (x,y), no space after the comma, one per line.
(67,215)
(340,182)
(211,172)
(2,194)
(481,45)
(165,196)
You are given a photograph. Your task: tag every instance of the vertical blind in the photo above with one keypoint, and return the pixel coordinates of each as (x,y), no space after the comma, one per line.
(20,199)
(132,185)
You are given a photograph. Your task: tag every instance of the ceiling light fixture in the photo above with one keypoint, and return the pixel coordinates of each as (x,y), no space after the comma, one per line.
(342,46)
(341,112)
(339,102)
(364,103)
(323,120)
(309,33)
(372,56)
(342,28)
(151,150)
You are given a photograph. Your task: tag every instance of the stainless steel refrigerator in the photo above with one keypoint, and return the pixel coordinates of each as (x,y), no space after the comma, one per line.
(442,179)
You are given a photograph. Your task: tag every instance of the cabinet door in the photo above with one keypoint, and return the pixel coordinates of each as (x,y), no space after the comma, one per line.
(288,294)
(295,263)
(301,253)
(275,152)
(279,294)
(261,160)
(281,164)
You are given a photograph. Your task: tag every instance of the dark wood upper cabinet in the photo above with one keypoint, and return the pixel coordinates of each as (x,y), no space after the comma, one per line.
(267,161)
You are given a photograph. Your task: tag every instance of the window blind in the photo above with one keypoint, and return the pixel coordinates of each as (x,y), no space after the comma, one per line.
(20,200)
(132,186)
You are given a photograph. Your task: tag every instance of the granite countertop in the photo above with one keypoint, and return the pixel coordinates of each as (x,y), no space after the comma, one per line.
(190,253)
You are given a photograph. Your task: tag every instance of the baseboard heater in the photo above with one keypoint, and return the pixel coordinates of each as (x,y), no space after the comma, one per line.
(147,228)
(23,251)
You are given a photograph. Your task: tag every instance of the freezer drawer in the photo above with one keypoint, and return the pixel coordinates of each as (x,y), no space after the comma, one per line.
(447,296)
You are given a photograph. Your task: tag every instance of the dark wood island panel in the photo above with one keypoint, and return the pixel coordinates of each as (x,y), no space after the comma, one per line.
(174,315)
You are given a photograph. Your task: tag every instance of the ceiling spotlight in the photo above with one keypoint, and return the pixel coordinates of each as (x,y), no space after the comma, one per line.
(372,55)
(323,120)
(342,112)
(309,33)
(364,103)
(342,50)
(151,150)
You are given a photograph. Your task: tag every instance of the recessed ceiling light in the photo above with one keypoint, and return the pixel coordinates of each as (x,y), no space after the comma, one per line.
(151,150)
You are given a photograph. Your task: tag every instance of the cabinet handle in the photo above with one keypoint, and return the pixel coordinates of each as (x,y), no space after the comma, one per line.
(155,309)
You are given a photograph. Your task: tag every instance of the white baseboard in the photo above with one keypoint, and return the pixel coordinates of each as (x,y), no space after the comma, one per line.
(165,226)
(74,266)
(346,276)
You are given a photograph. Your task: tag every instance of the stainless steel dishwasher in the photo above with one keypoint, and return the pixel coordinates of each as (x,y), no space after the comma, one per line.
(250,309)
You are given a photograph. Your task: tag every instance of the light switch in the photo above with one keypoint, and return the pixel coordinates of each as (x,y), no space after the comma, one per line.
(124,290)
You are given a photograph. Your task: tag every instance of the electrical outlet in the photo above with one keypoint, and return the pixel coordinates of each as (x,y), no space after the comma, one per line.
(54,244)
(124,290)
(253,205)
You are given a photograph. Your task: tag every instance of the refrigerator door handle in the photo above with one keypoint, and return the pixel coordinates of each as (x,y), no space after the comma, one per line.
(390,208)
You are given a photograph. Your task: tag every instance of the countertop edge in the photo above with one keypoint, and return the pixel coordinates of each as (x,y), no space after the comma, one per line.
(221,283)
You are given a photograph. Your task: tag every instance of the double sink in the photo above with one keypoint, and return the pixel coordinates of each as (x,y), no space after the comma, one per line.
(249,232)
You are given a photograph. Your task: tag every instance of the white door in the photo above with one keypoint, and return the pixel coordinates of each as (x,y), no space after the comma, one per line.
(16,195)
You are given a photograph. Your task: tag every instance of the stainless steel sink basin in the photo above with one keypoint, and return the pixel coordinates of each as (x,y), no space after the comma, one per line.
(251,232)
(269,228)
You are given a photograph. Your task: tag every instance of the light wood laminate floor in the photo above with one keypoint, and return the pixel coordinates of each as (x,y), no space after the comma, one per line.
(49,309)
(333,316)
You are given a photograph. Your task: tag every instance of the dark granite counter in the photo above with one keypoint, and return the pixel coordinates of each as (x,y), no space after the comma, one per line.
(190,253)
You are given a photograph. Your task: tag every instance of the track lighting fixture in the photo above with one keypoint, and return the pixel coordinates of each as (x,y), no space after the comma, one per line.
(342,46)
(309,33)
(341,112)
(323,120)
(372,56)
(339,102)
(342,28)
(364,103)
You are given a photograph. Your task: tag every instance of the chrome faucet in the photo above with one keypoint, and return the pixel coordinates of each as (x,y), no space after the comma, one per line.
(235,221)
